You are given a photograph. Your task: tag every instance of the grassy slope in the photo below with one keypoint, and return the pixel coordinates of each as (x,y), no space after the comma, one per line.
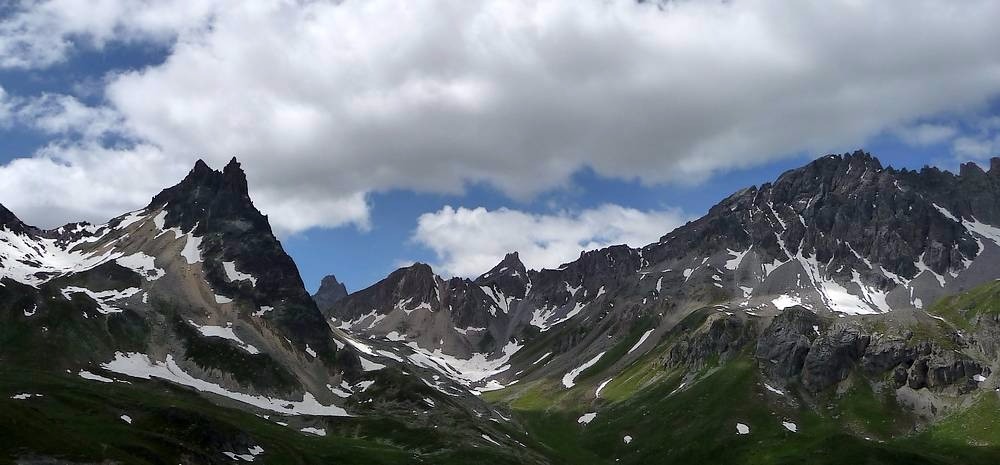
(697,424)
(962,309)
(79,420)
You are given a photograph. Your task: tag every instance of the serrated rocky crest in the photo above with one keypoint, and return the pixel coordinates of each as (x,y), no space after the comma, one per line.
(842,236)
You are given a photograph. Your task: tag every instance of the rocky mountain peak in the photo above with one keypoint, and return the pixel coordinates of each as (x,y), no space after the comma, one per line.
(511,265)
(509,279)
(416,273)
(330,291)
(10,221)
(995,166)
(206,196)
(616,260)
(512,259)
(215,207)
(970,169)
(234,179)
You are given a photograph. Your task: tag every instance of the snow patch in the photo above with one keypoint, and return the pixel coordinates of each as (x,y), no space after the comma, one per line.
(734,263)
(142,265)
(192,249)
(368,365)
(640,341)
(488,438)
(224,332)
(785,301)
(543,357)
(500,302)
(250,456)
(141,366)
(263,309)
(569,380)
(467,372)
(88,375)
(103,298)
(235,275)
(601,387)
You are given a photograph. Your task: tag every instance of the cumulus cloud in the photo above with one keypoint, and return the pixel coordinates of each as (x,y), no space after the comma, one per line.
(66,115)
(924,134)
(468,242)
(976,147)
(981,142)
(84,181)
(39,33)
(325,102)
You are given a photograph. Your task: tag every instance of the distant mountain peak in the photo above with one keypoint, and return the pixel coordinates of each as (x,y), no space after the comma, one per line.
(330,291)
(510,265)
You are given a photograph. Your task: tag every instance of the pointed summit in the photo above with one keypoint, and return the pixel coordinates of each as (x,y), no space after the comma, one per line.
(510,266)
(509,277)
(207,196)
(330,291)
(234,179)
(10,221)
(203,181)
(201,167)
(512,259)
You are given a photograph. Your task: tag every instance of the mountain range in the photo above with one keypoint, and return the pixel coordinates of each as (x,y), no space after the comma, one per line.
(845,312)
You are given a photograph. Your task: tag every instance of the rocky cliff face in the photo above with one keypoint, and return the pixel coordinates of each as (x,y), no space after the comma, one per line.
(862,238)
(841,236)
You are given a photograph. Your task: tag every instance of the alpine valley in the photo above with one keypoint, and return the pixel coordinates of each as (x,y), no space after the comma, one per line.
(848,312)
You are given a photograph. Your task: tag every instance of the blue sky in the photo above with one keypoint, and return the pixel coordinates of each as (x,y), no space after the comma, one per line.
(600,123)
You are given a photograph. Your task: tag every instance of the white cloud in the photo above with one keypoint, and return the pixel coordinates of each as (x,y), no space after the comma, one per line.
(40,33)
(65,115)
(980,142)
(334,100)
(924,134)
(84,181)
(976,147)
(469,242)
